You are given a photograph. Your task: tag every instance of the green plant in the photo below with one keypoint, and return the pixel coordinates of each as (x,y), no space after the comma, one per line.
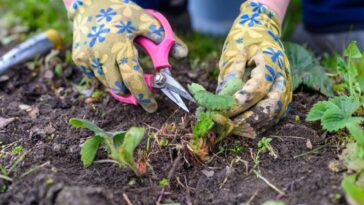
(336,114)
(273,202)
(353,186)
(7,171)
(164,182)
(306,70)
(17,150)
(339,112)
(351,72)
(119,145)
(212,118)
(265,146)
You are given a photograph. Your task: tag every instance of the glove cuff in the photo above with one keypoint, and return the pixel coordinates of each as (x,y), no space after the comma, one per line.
(261,15)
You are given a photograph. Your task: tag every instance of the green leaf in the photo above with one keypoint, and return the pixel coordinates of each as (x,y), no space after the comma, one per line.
(231,87)
(203,125)
(341,66)
(335,119)
(352,51)
(357,132)
(80,123)
(195,88)
(298,56)
(272,202)
(209,100)
(347,104)
(89,149)
(306,70)
(318,110)
(132,139)
(164,182)
(119,139)
(352,190)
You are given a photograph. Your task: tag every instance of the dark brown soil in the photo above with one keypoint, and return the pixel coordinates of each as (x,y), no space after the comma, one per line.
(59,177)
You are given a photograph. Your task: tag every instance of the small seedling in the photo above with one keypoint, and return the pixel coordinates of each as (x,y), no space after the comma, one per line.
(17,150)
(119,145)
(236,148)
(58,70)
(7,171)
(97,94)
(164,182)
(265,146)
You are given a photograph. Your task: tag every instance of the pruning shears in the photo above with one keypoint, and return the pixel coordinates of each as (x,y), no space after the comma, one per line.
(163,79)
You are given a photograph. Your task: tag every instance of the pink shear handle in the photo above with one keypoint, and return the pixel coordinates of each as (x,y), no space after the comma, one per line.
(158,53)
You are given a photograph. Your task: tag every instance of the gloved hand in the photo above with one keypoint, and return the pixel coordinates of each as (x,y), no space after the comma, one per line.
(253,52)
(103,45)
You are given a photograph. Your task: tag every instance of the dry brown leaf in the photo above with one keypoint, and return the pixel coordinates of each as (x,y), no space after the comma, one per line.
(34,113)
(5,121)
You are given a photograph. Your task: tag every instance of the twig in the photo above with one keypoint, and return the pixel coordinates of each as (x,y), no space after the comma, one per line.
(106,161)
(126,198)
(293,137)
(252,197)
(280,192)
(188,196)
(160,196)
(6,178)
(311,151)
(34,169)
(174,166)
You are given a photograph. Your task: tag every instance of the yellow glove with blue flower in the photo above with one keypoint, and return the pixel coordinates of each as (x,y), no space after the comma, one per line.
(103,45)
(254,53)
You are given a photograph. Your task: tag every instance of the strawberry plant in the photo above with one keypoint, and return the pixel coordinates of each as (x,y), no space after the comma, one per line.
(306,70)
(339,112)
(119,145)
(350,71)
(213,125)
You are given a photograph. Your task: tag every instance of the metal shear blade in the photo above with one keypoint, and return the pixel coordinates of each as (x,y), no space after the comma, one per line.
(175,98)
(174,90)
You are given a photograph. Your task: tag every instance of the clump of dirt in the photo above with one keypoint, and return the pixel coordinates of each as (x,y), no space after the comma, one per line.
(58,177)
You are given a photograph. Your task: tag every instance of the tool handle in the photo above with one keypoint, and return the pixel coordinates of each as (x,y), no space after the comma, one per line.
(131,99)
(29,49)
(159,52)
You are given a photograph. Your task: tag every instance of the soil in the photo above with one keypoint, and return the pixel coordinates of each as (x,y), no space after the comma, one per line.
(52,172)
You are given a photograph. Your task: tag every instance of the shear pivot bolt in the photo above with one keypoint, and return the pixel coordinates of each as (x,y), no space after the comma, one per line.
(159,80)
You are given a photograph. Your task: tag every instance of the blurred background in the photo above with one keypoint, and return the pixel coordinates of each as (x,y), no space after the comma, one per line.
(22,19)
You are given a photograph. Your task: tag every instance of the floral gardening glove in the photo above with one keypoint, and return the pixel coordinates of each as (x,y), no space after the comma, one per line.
(254,53)
(103,45)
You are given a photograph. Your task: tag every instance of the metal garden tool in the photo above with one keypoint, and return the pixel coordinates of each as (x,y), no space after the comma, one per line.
(29,49)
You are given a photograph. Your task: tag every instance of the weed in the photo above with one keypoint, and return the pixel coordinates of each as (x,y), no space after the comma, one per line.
(353,76)
(164,182)
(119,145)
(6,171)
(265,146)
(236,148)
(17,150)
(213,125)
